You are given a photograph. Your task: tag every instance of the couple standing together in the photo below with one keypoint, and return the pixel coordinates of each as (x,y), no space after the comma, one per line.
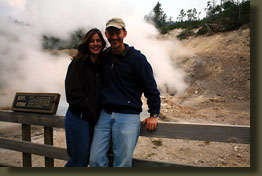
(104,89)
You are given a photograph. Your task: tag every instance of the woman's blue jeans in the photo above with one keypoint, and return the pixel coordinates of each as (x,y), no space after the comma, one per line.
(78,140)
(124,131)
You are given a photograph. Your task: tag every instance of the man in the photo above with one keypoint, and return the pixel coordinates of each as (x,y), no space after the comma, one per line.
(126,75)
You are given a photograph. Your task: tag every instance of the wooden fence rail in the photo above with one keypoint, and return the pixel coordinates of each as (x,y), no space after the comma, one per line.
(202,132)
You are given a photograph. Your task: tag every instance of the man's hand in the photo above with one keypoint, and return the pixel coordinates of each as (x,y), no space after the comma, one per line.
(151,123)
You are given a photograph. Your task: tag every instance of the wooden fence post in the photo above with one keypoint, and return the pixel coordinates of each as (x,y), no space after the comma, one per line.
(48,139)
(26,136)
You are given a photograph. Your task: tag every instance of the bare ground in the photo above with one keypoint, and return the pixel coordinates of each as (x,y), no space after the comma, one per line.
(219,93)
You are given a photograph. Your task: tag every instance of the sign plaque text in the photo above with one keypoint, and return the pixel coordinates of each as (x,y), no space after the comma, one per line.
(36,102)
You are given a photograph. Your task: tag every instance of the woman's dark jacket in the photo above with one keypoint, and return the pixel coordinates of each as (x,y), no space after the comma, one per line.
(82,88)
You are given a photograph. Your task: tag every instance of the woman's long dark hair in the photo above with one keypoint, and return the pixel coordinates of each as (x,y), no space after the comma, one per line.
(83,50)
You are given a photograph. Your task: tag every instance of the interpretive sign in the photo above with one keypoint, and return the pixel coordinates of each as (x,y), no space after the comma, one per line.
(36,102)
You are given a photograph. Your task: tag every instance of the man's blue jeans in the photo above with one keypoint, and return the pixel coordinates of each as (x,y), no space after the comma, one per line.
(78,140)
(124,131)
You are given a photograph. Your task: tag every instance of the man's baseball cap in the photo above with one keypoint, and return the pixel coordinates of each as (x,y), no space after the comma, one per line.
(116,22)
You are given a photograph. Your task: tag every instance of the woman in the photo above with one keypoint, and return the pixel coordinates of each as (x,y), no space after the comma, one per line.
(82,86)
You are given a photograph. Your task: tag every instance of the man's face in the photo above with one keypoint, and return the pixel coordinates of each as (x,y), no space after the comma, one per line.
(115,37)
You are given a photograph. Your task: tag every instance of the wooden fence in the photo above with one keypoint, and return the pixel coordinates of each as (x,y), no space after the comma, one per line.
(202,132)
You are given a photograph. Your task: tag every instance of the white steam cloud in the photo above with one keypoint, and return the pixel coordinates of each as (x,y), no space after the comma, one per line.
(25,67)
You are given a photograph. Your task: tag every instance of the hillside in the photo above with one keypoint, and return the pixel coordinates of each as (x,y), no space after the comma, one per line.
(219,79)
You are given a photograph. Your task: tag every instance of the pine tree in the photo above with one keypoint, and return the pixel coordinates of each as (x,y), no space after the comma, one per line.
(159,17)
(181,15)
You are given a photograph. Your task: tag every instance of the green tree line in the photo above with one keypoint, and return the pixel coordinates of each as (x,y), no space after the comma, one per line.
(226,16)
(53,42)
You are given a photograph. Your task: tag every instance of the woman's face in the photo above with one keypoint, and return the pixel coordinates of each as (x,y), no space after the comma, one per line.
(95,44)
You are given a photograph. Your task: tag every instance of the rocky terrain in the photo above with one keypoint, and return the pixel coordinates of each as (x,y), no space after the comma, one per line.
(219,93)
